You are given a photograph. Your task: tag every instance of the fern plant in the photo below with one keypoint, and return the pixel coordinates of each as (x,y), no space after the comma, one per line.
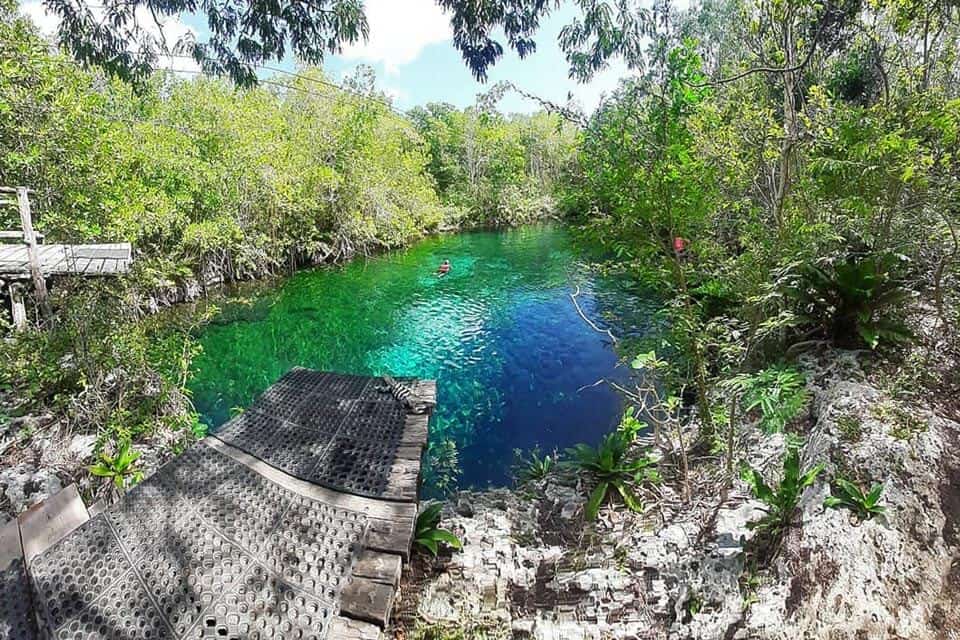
(119,467)
(616,468)
(865,505)
(780,502)
(778,392)
(429,535)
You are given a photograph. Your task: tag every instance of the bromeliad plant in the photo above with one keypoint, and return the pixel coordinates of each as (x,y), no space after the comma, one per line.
(428,533)
(781,502)
(121,467)
(616,467)
(537,467)
(865,505)
(853,298)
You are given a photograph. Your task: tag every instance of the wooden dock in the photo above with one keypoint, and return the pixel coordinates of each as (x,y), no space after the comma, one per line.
(293,521)
(65,259)
(23,258)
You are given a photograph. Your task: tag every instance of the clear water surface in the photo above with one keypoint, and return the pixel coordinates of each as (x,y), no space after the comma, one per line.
(499,333)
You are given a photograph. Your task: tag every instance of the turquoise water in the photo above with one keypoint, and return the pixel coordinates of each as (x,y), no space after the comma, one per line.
(500,335)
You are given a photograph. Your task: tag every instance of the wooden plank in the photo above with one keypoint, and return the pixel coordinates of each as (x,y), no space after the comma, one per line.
(17,235)
(426,390)
(379,567)
(10,252)
(67,259)
(54,259)
(392,535)
(45,524)
(49,251)
(346,629)
(416,430)
(97,508)
(368,601)
(410,453)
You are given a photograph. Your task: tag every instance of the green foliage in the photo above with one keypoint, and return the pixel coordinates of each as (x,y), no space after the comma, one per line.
(630,425)
(853,299)
(120,467)
(781,502)
(850,428)
(536,467)
(616,467)
(209,182)
(442,466)
(493,170)
(427,533)
(779,392)
(865,505)
(236,45)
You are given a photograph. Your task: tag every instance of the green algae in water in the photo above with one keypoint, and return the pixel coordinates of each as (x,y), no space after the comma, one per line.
(499,333)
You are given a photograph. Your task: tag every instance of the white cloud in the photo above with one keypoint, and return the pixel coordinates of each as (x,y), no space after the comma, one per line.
(171,28)
(602,84)
(399,31)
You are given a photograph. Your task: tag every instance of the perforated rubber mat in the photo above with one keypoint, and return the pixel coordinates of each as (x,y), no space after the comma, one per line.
(205,548)
(343,432)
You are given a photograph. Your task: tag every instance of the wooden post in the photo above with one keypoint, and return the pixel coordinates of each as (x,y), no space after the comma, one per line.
(39,284)
(17,309)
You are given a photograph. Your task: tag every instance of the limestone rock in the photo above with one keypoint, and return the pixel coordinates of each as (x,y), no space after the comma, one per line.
(531,568)
(81,446)
(25,486)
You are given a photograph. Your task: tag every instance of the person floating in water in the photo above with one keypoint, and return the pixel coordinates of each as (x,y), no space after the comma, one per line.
(444,268)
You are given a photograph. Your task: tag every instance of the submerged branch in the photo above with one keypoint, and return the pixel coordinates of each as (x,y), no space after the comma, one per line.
(573,296)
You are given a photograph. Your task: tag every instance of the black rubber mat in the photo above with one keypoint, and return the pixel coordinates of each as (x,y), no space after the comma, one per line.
(204,548)
(343,432)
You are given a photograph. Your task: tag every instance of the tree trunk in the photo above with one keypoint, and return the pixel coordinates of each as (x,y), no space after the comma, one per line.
(791,125)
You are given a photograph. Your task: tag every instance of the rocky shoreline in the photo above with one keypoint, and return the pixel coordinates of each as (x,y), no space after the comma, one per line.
(531,568)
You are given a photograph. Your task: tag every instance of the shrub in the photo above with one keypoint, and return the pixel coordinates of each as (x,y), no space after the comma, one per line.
(853,299)
(120,467)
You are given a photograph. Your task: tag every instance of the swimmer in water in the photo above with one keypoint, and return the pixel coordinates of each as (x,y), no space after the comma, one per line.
(444,268)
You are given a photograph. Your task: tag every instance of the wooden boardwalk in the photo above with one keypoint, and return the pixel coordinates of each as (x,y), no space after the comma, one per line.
(65,259)
(293,521)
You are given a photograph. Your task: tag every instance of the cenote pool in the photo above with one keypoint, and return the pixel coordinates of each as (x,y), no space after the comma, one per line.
(500,335)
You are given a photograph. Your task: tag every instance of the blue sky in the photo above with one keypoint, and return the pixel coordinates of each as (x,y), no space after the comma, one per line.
(416,62)
(410,49)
